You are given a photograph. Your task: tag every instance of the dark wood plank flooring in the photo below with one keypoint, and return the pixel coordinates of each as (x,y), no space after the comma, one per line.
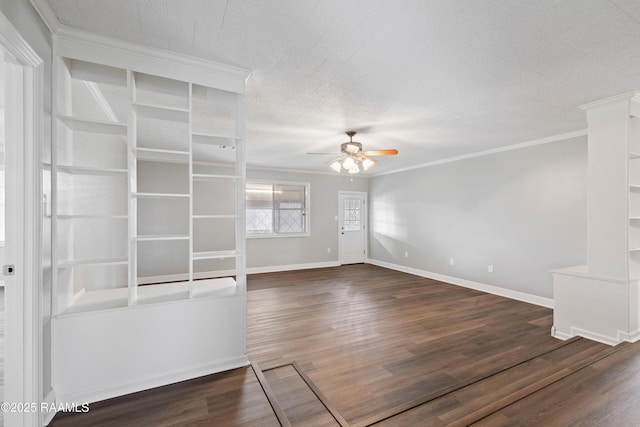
(371,340)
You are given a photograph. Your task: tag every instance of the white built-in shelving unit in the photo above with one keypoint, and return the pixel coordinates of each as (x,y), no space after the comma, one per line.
(601,300)
(148,183)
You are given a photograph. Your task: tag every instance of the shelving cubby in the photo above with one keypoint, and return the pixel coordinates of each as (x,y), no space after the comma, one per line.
(89,173)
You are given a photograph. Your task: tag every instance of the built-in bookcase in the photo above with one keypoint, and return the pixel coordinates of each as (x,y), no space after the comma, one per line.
(149,176)
(634,198)
(147,211)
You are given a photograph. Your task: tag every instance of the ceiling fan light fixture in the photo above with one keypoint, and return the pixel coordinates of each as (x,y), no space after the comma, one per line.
(367,163)
(336,165)
(349,164)
(354,169)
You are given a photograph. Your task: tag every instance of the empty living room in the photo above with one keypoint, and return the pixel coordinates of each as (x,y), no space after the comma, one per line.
(320,213)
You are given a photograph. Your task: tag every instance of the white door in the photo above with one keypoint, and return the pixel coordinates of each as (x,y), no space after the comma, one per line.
(353,224)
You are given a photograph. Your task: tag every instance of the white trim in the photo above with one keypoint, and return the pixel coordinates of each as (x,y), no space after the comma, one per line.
(47,14)
(149,383)
(627,96)
(49,400)
(292,267)
(526,144)
(24,354)
(86,46)
(495,290)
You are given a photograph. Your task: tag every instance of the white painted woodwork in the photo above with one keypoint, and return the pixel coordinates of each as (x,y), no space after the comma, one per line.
(124,197)
(601,300)
(353,242)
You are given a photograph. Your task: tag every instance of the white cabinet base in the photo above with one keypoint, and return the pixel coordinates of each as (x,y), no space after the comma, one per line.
(597,308)
(104,354)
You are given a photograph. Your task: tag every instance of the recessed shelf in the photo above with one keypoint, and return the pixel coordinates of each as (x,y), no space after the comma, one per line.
(157,237)
(216,216)
(73,216)
(161,112)
(222,141)
(158,154)
(92,262)
(161,195)
(214,255)
(94,126)
(213,177)
(90,170)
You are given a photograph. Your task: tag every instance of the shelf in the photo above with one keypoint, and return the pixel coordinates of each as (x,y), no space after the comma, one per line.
(66,216)
(93,262)
(635,249)
(213,177)
(215,216)
(634,218)
(157,237)
(634,155)
(94,126)
(161,195)
(103,299)
(90,170)
(214,255)
(222,141)
(634,187)
(158,154)
(161,112)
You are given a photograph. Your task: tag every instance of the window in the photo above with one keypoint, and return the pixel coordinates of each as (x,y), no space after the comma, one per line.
(275,209)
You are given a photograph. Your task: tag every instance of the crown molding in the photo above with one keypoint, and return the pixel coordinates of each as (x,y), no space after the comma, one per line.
(48,16)
(627,96)
(532,143)
(17,46)
(134,56)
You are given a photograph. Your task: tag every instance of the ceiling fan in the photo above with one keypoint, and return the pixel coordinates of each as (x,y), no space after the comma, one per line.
(354,158)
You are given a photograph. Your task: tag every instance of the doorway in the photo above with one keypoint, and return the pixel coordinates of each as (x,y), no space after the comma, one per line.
(352,227)
(22,88)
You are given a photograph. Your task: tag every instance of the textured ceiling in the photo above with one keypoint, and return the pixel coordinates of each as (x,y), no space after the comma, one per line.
(433,78)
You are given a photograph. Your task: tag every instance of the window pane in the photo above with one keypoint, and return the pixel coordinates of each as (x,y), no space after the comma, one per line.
(352,215)
(289,209)
(259,200)
(275,208)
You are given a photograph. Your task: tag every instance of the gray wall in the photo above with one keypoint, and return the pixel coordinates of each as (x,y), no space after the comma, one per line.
(279,251)
(522,211)
(25,19)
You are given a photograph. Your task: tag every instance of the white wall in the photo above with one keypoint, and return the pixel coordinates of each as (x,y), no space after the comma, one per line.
(522,211)
(288,251)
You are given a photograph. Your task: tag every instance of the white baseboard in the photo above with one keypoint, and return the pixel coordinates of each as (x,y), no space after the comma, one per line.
(149,383)
(291,267)
(49,400)
(490,289)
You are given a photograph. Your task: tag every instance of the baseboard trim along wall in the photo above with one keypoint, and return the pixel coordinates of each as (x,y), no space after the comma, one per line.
(147,384)
(490,289)
(291,267)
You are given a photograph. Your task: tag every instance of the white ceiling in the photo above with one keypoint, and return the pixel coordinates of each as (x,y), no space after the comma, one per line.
(433,78)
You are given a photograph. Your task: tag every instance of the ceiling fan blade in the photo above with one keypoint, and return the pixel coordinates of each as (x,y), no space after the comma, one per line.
(391,152)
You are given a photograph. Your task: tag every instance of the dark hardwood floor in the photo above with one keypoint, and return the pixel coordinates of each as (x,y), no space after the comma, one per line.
(387,348)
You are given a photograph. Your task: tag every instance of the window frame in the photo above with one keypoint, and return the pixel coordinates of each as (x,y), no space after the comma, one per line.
(307,209)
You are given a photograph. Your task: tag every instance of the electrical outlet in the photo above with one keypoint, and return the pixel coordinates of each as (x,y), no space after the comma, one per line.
(451,261)
(490,268)
(328,250)
(406,254)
